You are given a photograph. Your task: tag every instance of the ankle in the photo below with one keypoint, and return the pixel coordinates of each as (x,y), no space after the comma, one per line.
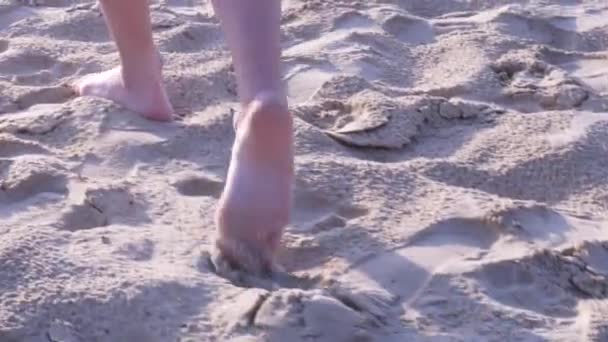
(147,68)
(267,111)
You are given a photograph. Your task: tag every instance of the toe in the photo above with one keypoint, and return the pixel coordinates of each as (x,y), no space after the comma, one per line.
(263,275)
(258,260)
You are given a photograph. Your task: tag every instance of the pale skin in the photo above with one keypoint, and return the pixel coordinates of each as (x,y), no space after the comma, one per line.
(254,207)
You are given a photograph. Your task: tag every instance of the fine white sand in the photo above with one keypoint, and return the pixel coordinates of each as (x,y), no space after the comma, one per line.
(452,177)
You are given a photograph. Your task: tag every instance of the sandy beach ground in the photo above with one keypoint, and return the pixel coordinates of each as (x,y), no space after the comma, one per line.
(452,177)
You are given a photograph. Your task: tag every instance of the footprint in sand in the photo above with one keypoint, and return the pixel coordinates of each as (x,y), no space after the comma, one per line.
(516,22)
(163,19)
(409,29)
(102,206)
(406,271)
(198,184)
(515,284)
(137,250)
(27,177)
(27,67)
(535,222)
(313,213)
(303,80)
(34,69)
(22,62)
(528,79)
(68,26)
(317,223)
(44,95)
(118,204)
(589,69)
(564,277)
(80,217)
(353,20)
(37,120)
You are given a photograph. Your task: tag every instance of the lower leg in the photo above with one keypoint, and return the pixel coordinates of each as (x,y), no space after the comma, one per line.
(137,83)
(252,30)
(255,205)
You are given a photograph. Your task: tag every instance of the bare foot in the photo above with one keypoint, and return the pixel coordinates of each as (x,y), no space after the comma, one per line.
(255,205)
(144,93)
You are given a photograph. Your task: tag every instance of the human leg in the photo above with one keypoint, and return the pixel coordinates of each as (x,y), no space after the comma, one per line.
(254,207)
